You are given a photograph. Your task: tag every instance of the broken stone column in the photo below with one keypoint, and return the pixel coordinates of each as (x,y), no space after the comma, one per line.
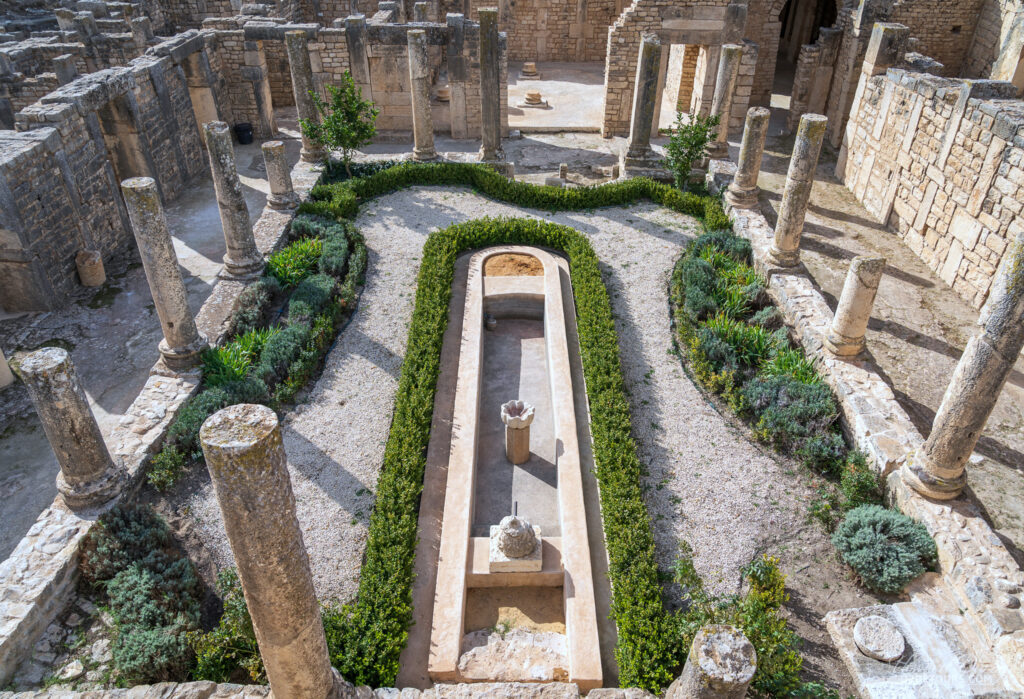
(638,149)
(90,268)
(490,88)
(6,377)
(182,342)
(419,77)
(721,101)
(302,87)
(242,258)
(88,476)
(785,251)
(742,191)
(279,176)
(244,453)
(721,664)
(419,12)
(517,416)
(937,469)
(846,336)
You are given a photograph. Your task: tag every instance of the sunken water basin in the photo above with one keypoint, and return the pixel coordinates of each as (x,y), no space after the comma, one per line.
(514,348)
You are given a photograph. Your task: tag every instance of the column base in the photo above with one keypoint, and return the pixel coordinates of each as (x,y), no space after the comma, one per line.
(181,358)
(491,156)
(915,474)
(242,270)
(90,494)
(843,346)
(424,155)
(784,258)
(741,198)
(283,202)
(643,163)
(313,155)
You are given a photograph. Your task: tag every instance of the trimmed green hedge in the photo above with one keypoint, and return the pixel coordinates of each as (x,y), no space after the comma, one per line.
(376,631)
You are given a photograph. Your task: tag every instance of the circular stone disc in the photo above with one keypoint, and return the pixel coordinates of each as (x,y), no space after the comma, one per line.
(879,638)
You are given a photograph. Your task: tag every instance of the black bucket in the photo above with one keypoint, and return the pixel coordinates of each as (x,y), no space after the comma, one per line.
(243,132)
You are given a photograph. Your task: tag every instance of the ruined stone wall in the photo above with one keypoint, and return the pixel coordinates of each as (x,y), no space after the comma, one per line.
(940,161)
(706,23)
(189,14)
(944,30)
(764,27)
(996,21)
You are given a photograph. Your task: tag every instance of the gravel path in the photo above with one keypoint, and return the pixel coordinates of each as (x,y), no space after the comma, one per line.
(707,483)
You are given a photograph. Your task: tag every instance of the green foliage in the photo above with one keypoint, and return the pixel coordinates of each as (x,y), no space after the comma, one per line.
(310,298)
(749,344)
(153,593)
(254,305)
(229,363)
(166,467)
(791,363)
(184,432)
(885,548)
(293,263)
(859,485)
(688,143)
(346,123)
(231,646)
(279,352)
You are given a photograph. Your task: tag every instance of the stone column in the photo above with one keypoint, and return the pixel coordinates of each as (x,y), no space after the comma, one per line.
(302,87)
(88,476)
(742,191)
(638,149)
(937,469)
(248,467)
(721,101)
(846,337)
(242,258)
(419,12)
(90,268)
(182,342)
(785,251)
(419,78)
(6,377)
(279,176)
(517,416)
(490,89)
(720,665)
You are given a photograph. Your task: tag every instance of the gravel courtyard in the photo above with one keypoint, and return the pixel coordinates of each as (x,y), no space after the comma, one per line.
(707,482)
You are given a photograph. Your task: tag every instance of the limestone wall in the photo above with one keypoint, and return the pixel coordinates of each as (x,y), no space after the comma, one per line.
(940,161)
(998,39)
(944,30)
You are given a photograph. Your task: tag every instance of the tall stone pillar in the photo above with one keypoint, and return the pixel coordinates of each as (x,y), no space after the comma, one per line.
(785,251)
(638,152)
(242,258)
(720,665)
(742,191)
(419,78)
(182,342)
(490,88)
(245,456)
(846,336)
(88,476)
(937,469)
(721,101)
(279,177)
(302,87)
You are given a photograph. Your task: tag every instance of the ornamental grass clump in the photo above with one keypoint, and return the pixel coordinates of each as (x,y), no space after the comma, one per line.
(293,263)
(884,547)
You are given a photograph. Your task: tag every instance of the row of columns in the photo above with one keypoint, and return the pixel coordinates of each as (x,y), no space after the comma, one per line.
(937,469)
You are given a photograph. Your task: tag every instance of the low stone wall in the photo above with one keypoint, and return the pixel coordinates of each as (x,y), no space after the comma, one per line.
(975,598)
(37,579)
(940,161)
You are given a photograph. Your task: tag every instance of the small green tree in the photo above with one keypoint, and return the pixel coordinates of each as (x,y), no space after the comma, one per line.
(690,136)
(347,123)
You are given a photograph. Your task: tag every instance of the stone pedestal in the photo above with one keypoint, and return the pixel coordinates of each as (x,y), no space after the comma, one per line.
(88,476)
(638,154)
(302,87)
(785,251)
(248,467)
(846,336)
(90,268)
(721,664)
(517,416)
(6,377)
(419,78)
(490,86)
(279,177)
(937,469)
(515,547)
(182,342)
(242,259)
(721,101)
(742,191)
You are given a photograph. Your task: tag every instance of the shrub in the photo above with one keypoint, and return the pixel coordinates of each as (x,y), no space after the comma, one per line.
(184,432)
(143,655)
(885,548)
(279,352)
(346,123)
(859,484)
(335,254)
(723,241)
(253,305)
(166,467)
(231,645)
(687,144)
(793,364)
(750,344)
(295,262)
(310,298)
(788,411)
(121,537)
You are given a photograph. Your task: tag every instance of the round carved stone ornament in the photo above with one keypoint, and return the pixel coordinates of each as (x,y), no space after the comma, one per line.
(516,537)
(878,638)
(517,414)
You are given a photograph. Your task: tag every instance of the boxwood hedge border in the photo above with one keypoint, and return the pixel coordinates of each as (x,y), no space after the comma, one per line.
(375,630)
